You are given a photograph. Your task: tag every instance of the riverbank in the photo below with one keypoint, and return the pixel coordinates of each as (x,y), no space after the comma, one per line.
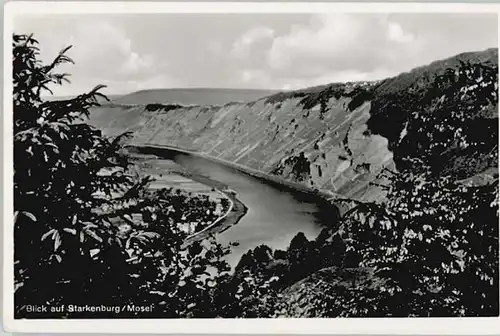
(276,213)
(235,212)
(150,165)
(323,197)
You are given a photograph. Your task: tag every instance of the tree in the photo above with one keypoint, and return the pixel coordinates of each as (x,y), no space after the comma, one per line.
(76,199)
(435,241)
(57,161)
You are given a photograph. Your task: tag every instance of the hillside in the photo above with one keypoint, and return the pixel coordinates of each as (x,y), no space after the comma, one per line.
(192,96)
(336,138)
(360,199)
(100,99)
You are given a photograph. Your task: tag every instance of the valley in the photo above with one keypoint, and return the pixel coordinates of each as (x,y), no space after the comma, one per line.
(335,139)
(300,163)
(365,186)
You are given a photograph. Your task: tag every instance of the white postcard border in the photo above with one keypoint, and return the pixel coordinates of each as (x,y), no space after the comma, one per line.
(441,326)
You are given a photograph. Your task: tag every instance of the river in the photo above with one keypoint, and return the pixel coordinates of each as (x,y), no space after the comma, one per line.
(275,213)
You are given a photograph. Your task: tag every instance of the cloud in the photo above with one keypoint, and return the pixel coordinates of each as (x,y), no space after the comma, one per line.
(339,47)
(397,34)
(244,43)
(329,48)
(102,52)
(104,48)
(138,51)
(339,42)
(125,86)
(255,78)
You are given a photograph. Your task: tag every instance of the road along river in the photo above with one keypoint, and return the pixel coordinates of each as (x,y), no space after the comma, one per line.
(275,214)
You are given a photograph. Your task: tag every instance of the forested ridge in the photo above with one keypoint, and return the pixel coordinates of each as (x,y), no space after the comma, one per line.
(430,249)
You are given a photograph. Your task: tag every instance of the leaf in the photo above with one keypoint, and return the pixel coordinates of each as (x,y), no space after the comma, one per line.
(46,88)
(48,233)
(93,235)
(150,235)
(94,252)
(102,96)
(29,215)
(63,51)
(56,149)
(89,225)
(97,88)
(72,231)
(57,240)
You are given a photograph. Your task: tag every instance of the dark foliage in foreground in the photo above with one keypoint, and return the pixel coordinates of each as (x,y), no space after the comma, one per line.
(435,240)
(430,250)
(75,198)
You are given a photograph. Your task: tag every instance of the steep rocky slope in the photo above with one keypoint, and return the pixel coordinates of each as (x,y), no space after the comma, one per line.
(326,147)
(336,138)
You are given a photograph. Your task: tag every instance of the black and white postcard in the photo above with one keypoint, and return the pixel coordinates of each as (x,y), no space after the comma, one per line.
(251,167)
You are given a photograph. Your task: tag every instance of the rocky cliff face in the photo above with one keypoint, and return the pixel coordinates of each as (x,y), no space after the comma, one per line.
(335,138)
(326,146)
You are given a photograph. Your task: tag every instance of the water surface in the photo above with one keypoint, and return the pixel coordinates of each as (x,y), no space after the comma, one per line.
(275,213)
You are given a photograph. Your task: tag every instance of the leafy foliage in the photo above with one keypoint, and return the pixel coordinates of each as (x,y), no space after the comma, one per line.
(431,249)
(86,232)
(260,281)
(436,242)
(436,239)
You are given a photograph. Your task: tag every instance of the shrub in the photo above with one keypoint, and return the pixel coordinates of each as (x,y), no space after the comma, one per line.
(74,202)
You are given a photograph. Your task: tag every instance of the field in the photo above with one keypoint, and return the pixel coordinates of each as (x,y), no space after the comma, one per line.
(168,174)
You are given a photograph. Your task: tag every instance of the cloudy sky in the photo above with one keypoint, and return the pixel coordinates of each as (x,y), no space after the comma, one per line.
(279,51)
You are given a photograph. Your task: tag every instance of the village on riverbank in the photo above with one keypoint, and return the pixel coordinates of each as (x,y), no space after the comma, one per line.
(199,206)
